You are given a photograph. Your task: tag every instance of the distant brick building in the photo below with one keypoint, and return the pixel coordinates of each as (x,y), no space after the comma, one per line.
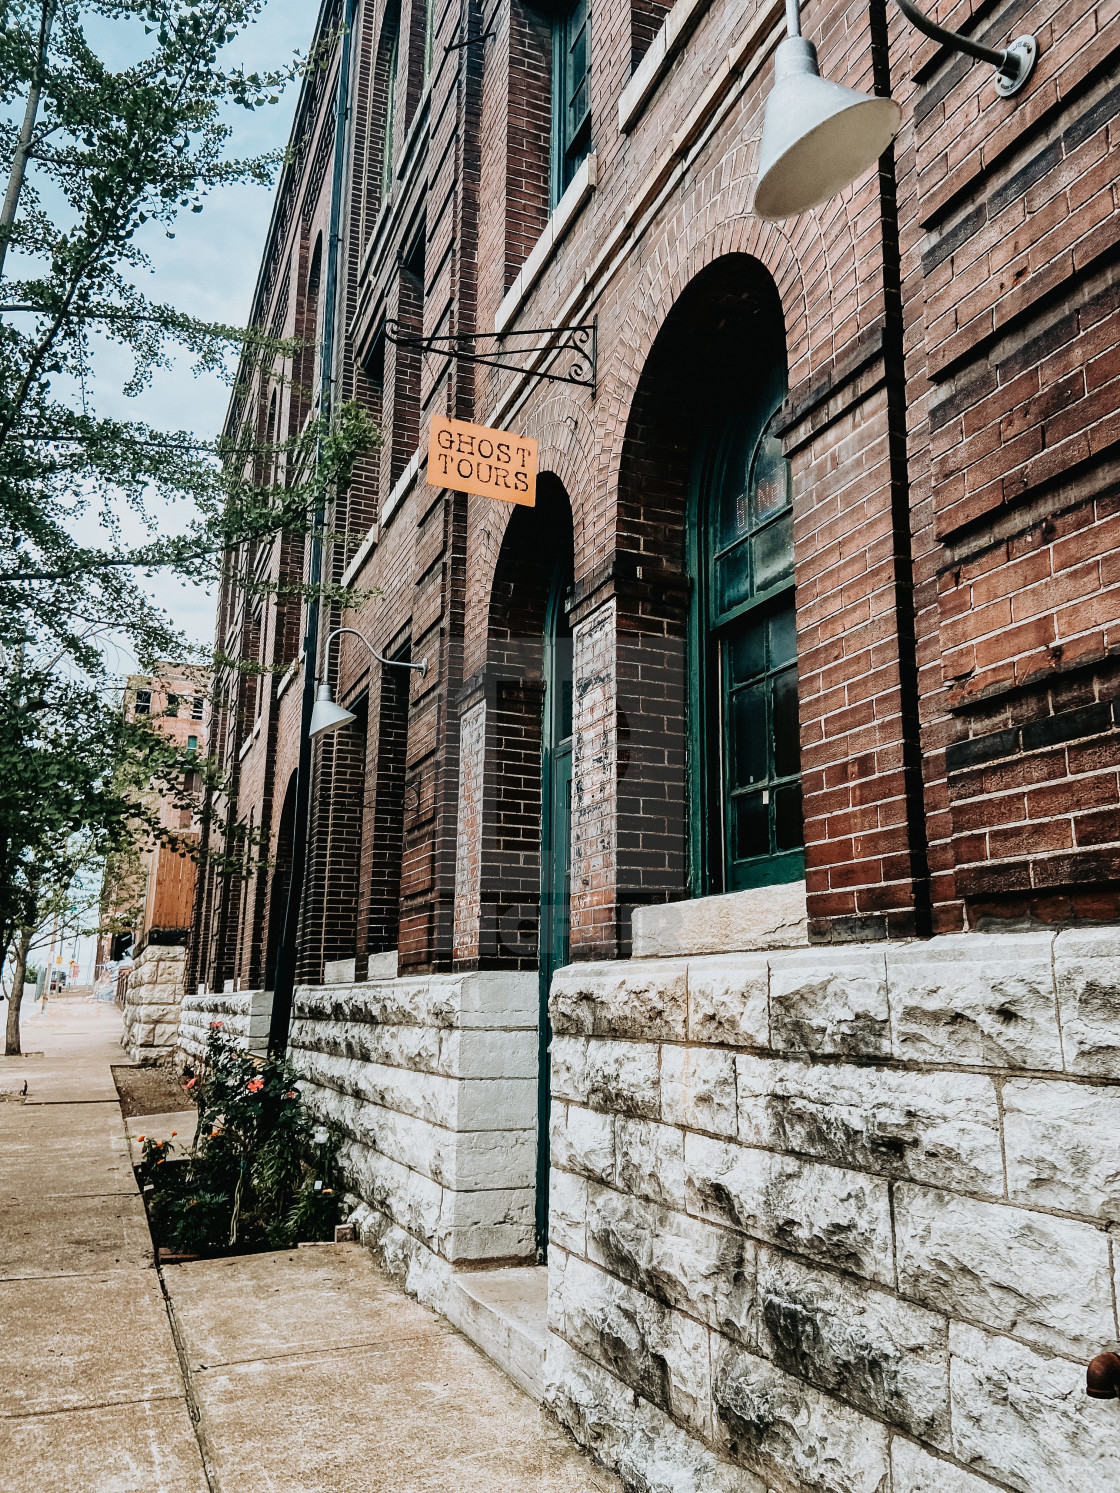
(148,893)
(810,639)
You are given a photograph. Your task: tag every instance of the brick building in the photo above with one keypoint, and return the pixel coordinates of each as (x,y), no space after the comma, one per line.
(147,895)
(808,641)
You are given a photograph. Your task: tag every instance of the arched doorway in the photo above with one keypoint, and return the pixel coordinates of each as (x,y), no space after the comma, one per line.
(281,880)
(525,883)
(705,505)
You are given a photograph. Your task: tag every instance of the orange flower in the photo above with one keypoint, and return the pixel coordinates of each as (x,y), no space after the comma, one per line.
(174,1133)
(255,1085)
(139,1137)
(215,1023)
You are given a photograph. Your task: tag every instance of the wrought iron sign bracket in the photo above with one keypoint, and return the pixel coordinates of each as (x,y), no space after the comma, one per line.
(580,341)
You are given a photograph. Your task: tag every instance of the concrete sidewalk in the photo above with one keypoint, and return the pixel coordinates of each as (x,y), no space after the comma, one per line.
(91,1393)
(298,1371)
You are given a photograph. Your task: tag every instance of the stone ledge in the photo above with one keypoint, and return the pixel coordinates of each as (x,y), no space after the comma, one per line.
(768,917)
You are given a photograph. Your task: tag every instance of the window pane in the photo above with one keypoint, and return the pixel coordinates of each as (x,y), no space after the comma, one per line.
(748,737)
(773,553)
(788,830)
(733,574)
(769,480)
(787,741)
(751,826)
(783,638)
(746,653)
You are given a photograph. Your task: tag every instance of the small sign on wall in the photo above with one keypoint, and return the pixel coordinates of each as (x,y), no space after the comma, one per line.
(477,459)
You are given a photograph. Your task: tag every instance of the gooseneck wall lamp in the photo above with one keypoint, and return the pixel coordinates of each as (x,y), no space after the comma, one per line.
(818,136)
(327,715)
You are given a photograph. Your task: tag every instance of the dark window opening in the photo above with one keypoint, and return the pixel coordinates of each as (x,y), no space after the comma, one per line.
(749,653)
(143,702)
(571,95)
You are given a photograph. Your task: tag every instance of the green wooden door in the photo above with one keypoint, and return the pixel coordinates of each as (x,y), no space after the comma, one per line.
(746,745)
(556,854)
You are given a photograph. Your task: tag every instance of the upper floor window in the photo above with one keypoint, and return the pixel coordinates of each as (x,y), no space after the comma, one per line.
(429,36)
(143,702)
(196,708)
(571,95)
(387,149)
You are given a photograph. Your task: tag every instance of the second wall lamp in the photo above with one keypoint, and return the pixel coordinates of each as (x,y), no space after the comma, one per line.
(819,136)
(329,716)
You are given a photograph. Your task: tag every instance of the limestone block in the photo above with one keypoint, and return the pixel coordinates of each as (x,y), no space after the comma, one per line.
(404,1002)
(838,1217)
(414,1047)
(624,1077)
(661,1354)
(767,917)
(880,1354)
(567,1058)
(728,1000)
(1044,1279)
(491,997)
(495,1104)
(1087,970)
(941,1128)
(787,1431)
(830,1001)
(629,1435)
(682,1262)
(650,1161)
(477,1053)
(487,1225)
(472,1160)
(975,998)
(630,999)
(914,1470)
(382,966)
(1024,1417)
(698,1088)
(1063,1146)
(410,1199)
(557,1265)
(582,1140)
(429,1096)
(567,1210)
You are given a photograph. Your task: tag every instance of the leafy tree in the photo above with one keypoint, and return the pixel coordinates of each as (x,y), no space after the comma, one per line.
(63,898)
(98,157)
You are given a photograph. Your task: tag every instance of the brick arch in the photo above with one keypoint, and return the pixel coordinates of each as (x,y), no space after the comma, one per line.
(498,872)
(813,262)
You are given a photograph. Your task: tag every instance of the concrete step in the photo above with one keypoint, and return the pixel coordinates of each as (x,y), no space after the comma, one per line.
(505,1312)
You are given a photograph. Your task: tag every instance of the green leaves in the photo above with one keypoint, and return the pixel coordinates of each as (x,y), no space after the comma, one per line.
(115,152)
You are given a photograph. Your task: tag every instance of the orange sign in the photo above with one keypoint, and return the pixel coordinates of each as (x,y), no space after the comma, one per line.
(476,459)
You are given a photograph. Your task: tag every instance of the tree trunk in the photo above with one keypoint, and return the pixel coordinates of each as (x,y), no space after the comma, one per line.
(15,1000)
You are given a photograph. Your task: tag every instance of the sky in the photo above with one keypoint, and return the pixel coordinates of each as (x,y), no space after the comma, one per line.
(209,270)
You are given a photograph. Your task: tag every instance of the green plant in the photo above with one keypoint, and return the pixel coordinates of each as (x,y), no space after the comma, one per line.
(261,1173)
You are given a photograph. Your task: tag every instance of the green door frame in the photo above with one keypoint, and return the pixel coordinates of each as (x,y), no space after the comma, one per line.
(556,854)
(709,853)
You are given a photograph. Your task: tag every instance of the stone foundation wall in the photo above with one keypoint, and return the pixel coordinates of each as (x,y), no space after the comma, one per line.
(839,1221)
(151,1001)
(433,1081)
(244,1014)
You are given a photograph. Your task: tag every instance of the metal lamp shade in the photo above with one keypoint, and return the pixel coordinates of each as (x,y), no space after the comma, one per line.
(327,716)
(817,136)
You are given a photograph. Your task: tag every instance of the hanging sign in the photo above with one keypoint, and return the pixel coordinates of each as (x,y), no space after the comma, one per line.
(477,459)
